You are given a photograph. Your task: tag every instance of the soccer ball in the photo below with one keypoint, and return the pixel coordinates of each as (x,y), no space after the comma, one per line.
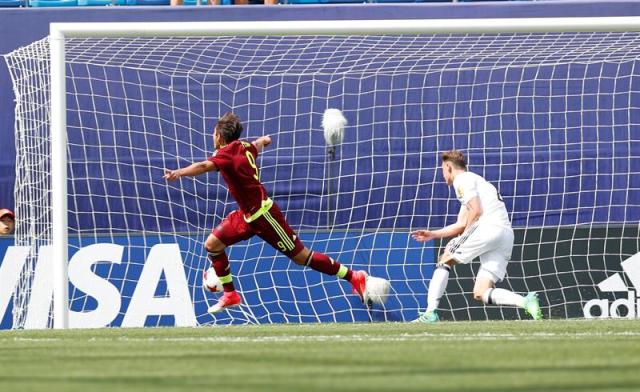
(377,290)
(210,281)
(333,123)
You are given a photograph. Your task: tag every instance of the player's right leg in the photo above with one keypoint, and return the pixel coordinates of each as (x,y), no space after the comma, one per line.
(220,263)
(437,287)
(231,230)
(459,250)
(218,258)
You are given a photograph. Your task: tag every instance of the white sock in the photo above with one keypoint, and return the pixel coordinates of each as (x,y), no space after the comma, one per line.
(502,297)
(437,286)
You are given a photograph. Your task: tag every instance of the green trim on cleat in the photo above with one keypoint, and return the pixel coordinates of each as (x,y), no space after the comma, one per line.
(532,305)
(427,317)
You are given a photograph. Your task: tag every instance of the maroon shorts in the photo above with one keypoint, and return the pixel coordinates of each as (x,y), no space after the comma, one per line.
(271,227)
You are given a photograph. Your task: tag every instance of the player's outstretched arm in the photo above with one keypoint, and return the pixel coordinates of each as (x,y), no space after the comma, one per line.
(446,232)
(423,235)
(190,171)
(262,142)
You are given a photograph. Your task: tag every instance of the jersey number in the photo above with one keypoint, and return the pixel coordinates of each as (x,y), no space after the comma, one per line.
(252,162)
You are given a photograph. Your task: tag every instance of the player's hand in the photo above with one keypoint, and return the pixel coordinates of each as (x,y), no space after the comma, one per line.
(171,175)
(423,235)
(261,142)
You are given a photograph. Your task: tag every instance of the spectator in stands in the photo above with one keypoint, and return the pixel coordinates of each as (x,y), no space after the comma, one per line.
(7,221)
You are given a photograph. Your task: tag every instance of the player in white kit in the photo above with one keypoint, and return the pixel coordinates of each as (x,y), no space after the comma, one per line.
(482,230)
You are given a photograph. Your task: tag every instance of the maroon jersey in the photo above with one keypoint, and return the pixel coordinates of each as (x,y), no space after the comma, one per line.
(237,163)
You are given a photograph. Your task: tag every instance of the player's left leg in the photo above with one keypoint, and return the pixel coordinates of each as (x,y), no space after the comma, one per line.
(327,265)
(485,290)
(274,229)
(493,269)
(322,263)
(496,252)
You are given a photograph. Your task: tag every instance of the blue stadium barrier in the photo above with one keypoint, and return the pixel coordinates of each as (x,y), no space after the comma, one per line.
(357,1)
(53,3)
(101,2)
(148,2)
(321,1)
(409,1)
(12,3)
(202,2)
(105,2)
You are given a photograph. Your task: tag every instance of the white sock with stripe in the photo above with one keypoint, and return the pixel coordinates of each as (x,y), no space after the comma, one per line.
(502,297)
(437,286)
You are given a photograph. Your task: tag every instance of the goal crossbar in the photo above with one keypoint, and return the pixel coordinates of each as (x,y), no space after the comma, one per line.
(348,27)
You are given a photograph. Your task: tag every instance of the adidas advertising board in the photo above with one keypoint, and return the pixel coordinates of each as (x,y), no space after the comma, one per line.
(616,284)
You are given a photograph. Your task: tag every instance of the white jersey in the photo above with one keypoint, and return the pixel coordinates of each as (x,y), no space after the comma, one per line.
(469,185)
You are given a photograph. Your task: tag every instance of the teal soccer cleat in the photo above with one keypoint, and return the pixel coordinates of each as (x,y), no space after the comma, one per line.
(532,305)
(427,317)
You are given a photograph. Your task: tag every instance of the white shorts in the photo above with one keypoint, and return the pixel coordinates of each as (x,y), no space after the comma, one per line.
(492,243)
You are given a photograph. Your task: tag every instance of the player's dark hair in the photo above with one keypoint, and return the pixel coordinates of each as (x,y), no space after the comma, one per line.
(229,127)
(456,157)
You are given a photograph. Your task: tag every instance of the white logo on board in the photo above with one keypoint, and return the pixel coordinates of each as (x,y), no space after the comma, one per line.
(615,284)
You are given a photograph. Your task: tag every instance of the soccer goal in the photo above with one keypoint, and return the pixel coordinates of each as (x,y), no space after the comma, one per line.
(547,109)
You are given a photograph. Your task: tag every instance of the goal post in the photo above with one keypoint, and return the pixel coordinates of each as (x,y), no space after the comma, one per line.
(411,64)
(59,207)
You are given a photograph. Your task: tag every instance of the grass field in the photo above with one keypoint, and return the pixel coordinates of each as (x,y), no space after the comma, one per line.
(480,356)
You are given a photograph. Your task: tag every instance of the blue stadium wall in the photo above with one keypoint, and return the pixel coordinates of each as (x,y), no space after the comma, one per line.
(19,27)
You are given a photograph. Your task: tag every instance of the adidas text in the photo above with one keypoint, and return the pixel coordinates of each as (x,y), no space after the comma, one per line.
(615,283)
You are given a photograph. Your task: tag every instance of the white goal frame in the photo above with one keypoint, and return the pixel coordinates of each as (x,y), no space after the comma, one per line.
(60,31)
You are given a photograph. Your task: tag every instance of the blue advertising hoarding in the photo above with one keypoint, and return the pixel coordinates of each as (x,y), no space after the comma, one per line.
(156,281)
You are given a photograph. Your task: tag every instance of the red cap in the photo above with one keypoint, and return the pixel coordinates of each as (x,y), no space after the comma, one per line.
(6,211)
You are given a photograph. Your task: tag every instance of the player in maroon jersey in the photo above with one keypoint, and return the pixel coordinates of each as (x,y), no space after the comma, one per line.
(258,215)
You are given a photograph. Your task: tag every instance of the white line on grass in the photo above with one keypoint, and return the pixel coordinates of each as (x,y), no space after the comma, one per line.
(390,337)
(351,337)
(17,339)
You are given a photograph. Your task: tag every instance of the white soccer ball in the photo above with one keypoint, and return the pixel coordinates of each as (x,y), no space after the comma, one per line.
(377,290)
(333,123)
(210,281)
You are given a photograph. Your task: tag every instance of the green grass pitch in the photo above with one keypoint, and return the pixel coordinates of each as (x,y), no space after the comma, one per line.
(551,355)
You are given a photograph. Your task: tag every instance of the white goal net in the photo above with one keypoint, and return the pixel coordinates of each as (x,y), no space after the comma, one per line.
(550,118)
